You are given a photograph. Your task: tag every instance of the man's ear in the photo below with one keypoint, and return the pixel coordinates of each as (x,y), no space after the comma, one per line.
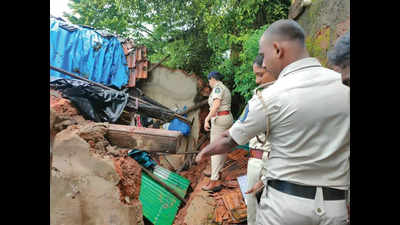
(278,50)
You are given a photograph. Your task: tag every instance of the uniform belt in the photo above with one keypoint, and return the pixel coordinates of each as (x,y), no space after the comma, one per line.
(221,113)
(254,153)
(306,191)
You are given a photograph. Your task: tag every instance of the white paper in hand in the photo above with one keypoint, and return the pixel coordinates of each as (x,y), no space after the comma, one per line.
(242,180)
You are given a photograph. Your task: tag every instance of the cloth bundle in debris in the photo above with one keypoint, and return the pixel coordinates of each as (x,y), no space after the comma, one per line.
(94,103)
(143,158)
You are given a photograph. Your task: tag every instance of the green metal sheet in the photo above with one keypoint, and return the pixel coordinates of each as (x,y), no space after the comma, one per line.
(173,180)
(159,205)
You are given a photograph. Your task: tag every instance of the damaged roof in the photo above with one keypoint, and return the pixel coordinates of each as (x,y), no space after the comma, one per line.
(94,54)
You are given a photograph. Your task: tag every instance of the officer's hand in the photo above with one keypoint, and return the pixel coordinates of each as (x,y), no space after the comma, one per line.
(256,187)
(200,157)
(207,125)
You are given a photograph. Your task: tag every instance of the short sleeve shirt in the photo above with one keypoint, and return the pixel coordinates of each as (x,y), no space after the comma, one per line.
(220,91)
(255,143)
(308,109)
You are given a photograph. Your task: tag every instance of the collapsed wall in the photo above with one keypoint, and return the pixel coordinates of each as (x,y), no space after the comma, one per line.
(94,182)
(176,89)
(91,182)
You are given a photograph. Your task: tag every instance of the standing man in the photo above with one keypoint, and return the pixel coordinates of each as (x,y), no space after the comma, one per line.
(259,145)
(339,58)
(306,116)
(221,119)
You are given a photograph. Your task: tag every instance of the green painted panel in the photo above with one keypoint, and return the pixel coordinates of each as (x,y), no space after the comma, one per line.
(159,205)
(173,180)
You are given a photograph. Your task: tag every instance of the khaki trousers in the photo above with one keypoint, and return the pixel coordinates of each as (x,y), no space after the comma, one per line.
(219,124)
(255,168)
(278,208)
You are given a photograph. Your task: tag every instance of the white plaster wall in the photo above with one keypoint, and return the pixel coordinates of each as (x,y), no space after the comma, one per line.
(174,88)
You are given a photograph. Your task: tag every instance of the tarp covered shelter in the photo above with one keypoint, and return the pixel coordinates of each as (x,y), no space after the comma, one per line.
(93,54)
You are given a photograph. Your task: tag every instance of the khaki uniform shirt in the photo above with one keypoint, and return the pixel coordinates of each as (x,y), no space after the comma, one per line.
(254,143)
(308,109)
(222,92)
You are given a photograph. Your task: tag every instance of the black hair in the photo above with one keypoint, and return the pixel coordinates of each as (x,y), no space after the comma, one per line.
(287,29)
(216,75)
(259,60)
(340,54)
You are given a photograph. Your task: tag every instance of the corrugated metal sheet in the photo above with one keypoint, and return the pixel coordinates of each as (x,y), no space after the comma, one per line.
(159,205)
(93,54)
(173,180)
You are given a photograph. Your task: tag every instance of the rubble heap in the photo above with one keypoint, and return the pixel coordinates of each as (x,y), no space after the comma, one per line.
(224,207)
(92,181)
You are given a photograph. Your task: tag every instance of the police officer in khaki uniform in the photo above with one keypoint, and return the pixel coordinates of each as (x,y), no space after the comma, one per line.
(221,119)
(306,114)
(259,145)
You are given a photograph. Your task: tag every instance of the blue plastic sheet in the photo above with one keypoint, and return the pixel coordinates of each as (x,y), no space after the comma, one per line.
(179,125)
(88,53)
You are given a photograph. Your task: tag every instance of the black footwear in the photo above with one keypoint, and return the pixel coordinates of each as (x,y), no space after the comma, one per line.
(213,186)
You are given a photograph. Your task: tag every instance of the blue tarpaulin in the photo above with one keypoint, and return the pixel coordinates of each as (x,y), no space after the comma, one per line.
(88,53)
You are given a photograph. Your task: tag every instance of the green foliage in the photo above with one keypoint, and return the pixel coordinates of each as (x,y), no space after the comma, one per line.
(245,78)
(196,33)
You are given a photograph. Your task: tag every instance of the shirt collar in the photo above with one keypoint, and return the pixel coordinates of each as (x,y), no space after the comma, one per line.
(262,86)
(218,82)
(296,65)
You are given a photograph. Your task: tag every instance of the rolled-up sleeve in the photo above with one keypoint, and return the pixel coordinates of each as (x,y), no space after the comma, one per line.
(251,122)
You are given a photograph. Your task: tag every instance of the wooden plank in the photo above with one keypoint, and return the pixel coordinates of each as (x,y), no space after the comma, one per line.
(159,63)
(146,139)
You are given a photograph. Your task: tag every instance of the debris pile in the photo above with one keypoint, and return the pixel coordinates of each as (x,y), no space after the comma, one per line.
(86,186)
(230,207)
(66,113)
(224,207)
(130,174)
(93,134)
(102,119)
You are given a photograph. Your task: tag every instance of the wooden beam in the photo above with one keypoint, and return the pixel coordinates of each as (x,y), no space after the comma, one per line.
(145,139)
(159,63)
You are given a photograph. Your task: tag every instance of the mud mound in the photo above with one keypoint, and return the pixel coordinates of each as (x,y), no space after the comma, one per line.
(93,134)
(129,172)
(62,106)
(67,114)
